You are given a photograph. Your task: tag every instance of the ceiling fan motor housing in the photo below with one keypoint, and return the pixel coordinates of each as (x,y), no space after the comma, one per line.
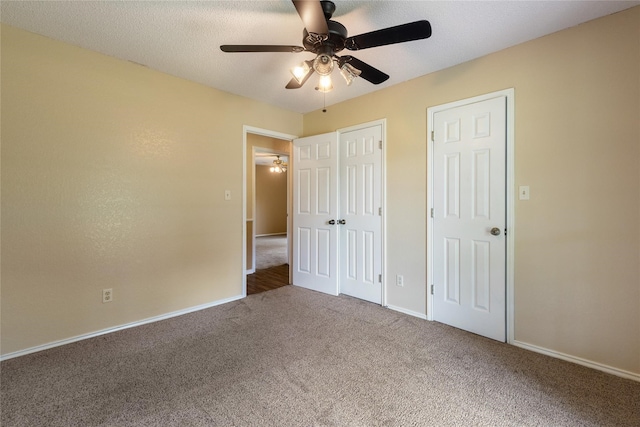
(333,43)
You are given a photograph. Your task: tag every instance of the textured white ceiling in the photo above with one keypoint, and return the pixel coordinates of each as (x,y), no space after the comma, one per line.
(182,38)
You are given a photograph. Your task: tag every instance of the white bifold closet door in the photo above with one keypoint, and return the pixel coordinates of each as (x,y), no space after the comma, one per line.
(337,215)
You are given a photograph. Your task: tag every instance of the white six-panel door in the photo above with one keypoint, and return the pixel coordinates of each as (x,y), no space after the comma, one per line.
(469,219)
(360,210)
(337,204)
(315,239)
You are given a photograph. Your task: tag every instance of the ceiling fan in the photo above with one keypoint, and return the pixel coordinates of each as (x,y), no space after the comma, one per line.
(325,38)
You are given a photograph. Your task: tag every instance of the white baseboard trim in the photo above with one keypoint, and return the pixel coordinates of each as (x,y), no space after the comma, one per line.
(117,328)
(250,271)
(409,312)
(580,361)
(272,234)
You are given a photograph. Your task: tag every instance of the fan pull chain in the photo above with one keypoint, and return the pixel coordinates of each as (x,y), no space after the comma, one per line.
(324,102)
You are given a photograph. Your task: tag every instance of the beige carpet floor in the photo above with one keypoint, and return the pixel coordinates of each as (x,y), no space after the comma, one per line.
(293,357)
(271,251)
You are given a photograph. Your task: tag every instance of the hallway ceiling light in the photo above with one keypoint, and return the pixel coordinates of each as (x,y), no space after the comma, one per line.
(278,166)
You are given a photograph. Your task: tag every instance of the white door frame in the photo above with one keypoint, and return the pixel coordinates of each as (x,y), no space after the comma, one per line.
(383,199)
(510,199)
(271,134)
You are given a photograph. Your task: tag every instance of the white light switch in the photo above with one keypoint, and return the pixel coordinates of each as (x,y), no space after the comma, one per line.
(523,192)
(227,194)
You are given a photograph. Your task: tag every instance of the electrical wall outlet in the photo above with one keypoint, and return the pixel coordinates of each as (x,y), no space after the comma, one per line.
(107,295)
(399,280)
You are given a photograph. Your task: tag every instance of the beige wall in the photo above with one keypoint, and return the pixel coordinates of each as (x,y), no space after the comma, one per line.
(271,201)
(577,140)
(112,178)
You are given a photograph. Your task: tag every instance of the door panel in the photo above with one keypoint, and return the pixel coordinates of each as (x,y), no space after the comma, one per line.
(315,243)
(469,262)
(303,250)
(360,204)
(451,270)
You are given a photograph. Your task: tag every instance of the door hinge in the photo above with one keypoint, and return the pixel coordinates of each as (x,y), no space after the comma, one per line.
(431,289)
(432,136)
(380,278)
(380,211)
(380,144)
(431,212)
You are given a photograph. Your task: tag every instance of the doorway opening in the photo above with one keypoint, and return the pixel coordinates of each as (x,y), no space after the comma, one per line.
(270,236)
(267,195)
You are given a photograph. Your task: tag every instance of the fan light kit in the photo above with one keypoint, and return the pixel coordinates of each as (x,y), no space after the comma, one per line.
(325,38)
(349,72)
(325,84)
(301,71)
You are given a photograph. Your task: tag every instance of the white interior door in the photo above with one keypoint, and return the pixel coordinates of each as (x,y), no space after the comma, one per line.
(315,234)
(360,210)
(469,219)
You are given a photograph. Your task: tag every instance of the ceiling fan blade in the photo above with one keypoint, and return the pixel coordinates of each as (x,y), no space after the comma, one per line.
(368,73)
(260,48)
(398,34)
(293,84)
(312,16)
